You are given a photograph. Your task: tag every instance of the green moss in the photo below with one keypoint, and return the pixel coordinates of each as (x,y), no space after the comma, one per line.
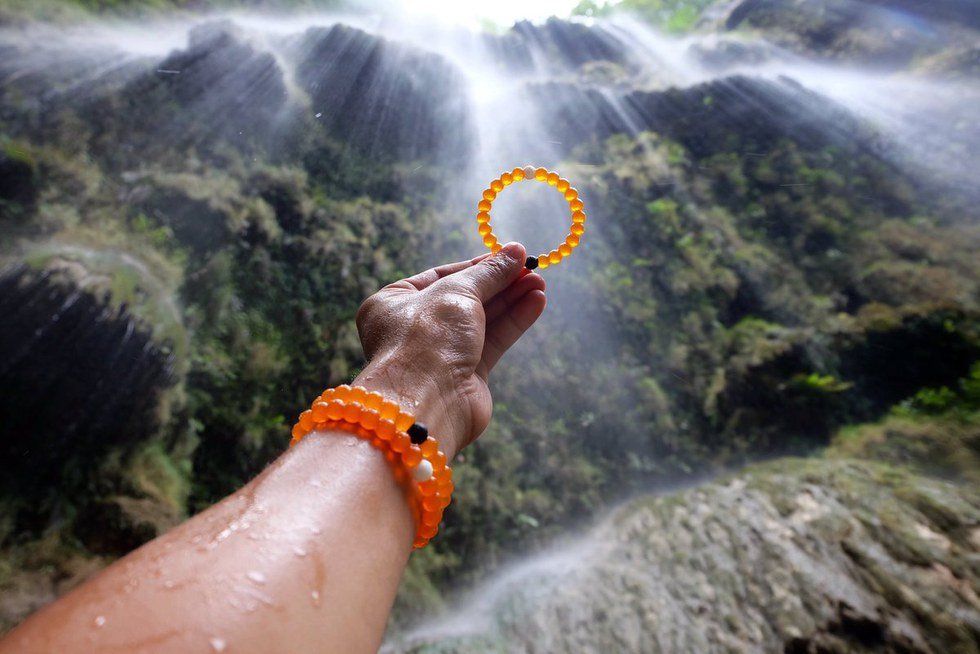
(154,473)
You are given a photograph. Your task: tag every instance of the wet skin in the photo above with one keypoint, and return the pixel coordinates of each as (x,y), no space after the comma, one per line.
(308,555)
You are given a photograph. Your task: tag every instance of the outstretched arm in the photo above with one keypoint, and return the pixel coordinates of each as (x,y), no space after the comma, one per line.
(308,556)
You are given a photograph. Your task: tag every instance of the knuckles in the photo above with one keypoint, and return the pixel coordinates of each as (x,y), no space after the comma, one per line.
(446,308)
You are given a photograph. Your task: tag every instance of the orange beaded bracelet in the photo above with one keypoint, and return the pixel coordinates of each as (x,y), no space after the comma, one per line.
(418,464)
(575,203)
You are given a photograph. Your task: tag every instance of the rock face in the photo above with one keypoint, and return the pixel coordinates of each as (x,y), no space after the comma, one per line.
(384,98)
(61,341)
(795,556)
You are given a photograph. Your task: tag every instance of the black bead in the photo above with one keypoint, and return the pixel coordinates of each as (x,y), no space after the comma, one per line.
(418,433)
(531,263)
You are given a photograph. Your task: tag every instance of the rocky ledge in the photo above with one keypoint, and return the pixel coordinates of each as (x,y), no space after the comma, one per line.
(828,554)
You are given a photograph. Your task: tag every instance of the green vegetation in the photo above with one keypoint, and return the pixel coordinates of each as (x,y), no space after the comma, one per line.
(754,292)
(673,16)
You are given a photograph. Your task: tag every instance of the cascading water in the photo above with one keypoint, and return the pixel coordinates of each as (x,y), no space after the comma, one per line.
(448,108)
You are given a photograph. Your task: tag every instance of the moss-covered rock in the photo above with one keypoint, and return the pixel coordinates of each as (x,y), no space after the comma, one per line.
(820,555)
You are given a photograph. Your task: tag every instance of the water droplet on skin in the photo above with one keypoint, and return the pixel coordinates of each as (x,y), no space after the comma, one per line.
(99,620)
(225,533)
(316,597)
(169,584)
(218,644)
(316,531)
(256,576)
(299,551)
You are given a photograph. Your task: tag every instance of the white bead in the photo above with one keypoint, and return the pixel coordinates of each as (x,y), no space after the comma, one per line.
(529,172)
(423,471)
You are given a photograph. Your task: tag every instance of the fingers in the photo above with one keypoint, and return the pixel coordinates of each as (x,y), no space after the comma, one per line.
(427,277)
(492,275)
(498,305)
(503,332)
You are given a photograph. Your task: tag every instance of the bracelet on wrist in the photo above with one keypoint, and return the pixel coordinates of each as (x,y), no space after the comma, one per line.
(417,463)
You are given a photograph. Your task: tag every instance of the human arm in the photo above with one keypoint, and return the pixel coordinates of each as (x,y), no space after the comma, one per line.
(308,555)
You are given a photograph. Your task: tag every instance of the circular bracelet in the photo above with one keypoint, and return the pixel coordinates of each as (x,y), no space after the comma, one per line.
(531,173)
(413,454)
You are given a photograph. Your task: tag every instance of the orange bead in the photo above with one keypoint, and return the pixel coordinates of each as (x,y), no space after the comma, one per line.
(390,456)
(495,248)
(373,401)
(370,418)
(443,474)
(388,410)
(573,240)
(335,410)
(357,394)
(306,419)
(352,412)
(400,476)
(377,443)
(298,431)
(578,216)
(576,205)
(571,194)
(385,430)
(432,518)
(342,392)
(420,543)
(507,179)
(489,195)
(400,442)
(429,447)
(446,488)
(517,174)
(438,461)
(328,395)
(431,503)
(562,185)
(496,186)
(484,205)
(404,421)
(482,218)
(541,174)
(428,487)
(489,240)
(564,249)
(578,229)
(444,500)
(319,411)
(428,531)
(484,229)
(552,179)
(543,261)
(554,257)
(412,456)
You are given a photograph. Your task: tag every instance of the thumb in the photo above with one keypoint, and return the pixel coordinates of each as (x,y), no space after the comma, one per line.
(494,273)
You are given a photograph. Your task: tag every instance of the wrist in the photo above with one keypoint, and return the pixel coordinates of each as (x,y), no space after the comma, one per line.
(432,399)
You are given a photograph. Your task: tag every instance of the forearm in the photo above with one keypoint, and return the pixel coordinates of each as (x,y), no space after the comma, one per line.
(306,557)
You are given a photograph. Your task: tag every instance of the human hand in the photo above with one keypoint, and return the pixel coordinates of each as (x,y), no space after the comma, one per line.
(432,339)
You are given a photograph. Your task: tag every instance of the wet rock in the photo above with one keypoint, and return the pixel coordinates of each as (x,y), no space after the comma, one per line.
(556,45)
(381,97)
(63,342)
(883,32)
(703,117)
(793,556)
